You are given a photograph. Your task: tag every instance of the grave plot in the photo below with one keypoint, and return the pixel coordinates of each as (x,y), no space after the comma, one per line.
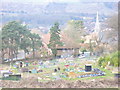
(70,70)
(55,70)
(5,73)
(9,75)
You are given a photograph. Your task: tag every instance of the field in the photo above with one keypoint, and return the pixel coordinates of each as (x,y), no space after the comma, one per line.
(66,77)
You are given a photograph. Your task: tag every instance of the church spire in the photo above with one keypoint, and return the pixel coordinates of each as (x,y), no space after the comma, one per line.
(97,24)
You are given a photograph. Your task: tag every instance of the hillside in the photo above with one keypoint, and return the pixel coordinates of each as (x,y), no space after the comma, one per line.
(45,14)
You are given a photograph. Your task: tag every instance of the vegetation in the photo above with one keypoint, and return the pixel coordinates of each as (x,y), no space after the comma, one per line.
(36,42)
(83,50)
(112,34)
(74,30)
(112,59)
(16,36)
(55,38)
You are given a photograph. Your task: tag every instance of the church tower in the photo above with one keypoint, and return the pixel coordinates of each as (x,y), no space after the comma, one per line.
(97,24)
(97,29)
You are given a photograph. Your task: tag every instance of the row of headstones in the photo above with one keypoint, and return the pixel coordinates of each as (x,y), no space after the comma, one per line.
(20,64)
(30,71)
(48,63)
(96,70)
(91,75)
(58,69)
(25,64)
(37,71)
(6,74)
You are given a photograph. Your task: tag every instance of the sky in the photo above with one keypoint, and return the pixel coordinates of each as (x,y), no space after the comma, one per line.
(69,1)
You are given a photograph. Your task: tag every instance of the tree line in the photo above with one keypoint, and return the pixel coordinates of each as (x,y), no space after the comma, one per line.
(15,37)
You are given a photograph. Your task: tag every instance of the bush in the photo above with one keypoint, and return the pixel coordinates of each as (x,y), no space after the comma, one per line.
(83,50)
(101,60)
(115,59)
(82,41)
(112,58)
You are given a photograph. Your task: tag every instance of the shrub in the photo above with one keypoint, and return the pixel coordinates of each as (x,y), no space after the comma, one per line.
(115,59)
(83,50)
(101,60)
(112,58)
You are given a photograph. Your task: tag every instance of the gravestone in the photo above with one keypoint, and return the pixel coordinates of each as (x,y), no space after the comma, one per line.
(67,70)
(88,67)
(100,73)
(6,74)
(40,63)
(4,71)
(96,70)
(40,71)
(58,68)
(26,64)
(24,70)
(87,54)
(21,64)
(55,70)
(34,71)
(15,77)
(15,66)
(30,71)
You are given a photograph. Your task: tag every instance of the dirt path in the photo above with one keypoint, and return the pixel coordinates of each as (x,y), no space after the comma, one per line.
(33,83)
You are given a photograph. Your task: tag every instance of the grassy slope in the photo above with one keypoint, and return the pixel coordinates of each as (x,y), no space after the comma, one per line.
(81,64)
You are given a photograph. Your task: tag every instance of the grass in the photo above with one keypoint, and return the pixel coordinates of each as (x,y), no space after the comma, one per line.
(10,78)
(107,75)
(79,62)
(86,78)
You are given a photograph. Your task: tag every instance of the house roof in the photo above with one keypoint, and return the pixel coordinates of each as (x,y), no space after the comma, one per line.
(46,38)
(69,43)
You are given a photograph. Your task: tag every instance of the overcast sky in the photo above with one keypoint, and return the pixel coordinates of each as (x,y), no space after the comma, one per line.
(41,1)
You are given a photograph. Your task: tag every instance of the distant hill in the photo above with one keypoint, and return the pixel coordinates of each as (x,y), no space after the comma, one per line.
(46,14)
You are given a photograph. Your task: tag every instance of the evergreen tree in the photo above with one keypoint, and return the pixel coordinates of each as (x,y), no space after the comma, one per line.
(11,34)
(15,36)
(36,42)
(55,38)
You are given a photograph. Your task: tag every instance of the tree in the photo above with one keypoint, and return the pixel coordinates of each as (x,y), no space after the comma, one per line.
(25,45)
(112,35)
(90,47)
(73,31)
(54,38)
(0,46)
(15,36)
(111,24)
(11,34)
(36,42)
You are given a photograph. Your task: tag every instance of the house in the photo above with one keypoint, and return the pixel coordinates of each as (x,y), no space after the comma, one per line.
(64,51)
